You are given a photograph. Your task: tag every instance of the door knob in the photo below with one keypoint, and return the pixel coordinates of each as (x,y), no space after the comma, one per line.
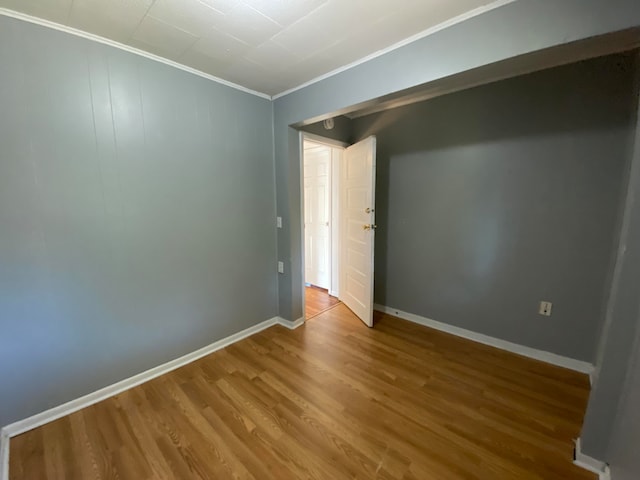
(370,227)
(368,210)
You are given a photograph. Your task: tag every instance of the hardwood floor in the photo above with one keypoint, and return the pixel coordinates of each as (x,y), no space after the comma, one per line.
(330,400)
(317,300)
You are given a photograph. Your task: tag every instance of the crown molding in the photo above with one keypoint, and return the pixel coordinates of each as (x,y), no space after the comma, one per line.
(127,48)
(425,33)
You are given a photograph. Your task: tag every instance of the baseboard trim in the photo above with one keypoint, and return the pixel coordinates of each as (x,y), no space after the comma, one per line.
(4,455)
(598,467)
(291,325)
(72,406)
(548,357)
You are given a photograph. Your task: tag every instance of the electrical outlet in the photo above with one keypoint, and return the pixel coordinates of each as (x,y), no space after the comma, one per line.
(279,222)
(545,308)
(280,267)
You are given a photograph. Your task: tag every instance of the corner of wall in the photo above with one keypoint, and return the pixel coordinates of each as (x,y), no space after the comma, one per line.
(588,463)
(277,229)
(4,454)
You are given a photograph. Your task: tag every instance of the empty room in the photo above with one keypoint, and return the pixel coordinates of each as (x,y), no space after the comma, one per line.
(328,239)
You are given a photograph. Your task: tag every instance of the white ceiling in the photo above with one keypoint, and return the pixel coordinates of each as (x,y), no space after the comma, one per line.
(265,45)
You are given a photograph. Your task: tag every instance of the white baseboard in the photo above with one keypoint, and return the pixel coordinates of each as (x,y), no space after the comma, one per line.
(4,455)
(54,413)
(598,467)
(548,357)
(291,325)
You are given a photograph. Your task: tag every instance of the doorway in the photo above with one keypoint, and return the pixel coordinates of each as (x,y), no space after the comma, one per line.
(338,217)
(320,174)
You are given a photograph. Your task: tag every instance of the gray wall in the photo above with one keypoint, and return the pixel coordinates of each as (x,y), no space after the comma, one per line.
(623,456)
(511,31)
(492,199)
(136,215)
(604,437)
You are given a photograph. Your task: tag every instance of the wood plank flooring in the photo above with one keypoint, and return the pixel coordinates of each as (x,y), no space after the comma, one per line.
(317,300)
(330,400)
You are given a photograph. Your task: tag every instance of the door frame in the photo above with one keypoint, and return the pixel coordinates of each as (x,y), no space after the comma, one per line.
(334,174)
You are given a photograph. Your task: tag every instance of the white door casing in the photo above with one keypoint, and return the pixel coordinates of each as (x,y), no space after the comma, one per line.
(317,214)
(336,171)
(357,228)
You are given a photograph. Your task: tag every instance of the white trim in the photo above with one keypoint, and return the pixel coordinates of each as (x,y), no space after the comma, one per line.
(54,413)
(336,183)
(127,48)
(548,357)
(4,455)
(337,150)
(291,325)
(303,266)
(598,467)
(425,33)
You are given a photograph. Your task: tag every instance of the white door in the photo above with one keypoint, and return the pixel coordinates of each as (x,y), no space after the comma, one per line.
(357,228)
(317,162)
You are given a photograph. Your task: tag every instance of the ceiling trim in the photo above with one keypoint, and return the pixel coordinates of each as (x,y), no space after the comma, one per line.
(112,43)
(127,48)
(425,33)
